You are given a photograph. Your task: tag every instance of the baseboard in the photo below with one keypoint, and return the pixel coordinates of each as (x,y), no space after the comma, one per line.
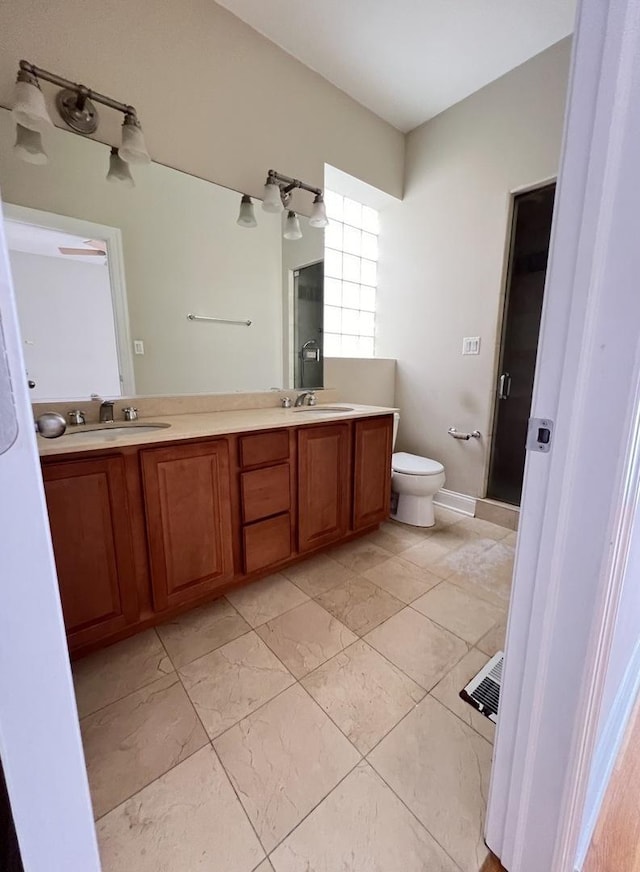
(606,751)
(462,503)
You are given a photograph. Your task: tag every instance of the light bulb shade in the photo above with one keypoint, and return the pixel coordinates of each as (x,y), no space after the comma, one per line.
(318,216)
(272,201)
(246,215)
(133,148)
(29,108)
(28,146)
(292,227)
(119,170)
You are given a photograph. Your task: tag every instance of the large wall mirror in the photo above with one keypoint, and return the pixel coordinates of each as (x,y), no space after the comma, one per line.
(106,276)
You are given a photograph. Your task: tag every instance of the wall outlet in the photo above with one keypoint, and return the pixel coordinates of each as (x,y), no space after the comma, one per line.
(471,345)
(138,346)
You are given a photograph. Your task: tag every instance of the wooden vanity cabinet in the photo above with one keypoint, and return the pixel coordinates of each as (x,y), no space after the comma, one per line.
(92,542)
(188,509)
(373,441)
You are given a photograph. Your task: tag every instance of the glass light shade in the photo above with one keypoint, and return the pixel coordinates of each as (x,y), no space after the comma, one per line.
(119,170)
(272,201)
(246,215)
(28,146)
(292,227)
(29,108)
(133,148)
(319,213)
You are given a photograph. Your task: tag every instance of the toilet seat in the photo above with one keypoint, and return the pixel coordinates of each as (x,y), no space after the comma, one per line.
(412,464)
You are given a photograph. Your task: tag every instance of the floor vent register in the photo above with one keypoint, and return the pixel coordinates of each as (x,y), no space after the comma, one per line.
(483,691)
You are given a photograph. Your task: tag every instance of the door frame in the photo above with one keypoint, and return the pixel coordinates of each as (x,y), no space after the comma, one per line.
(112,236)
(579,498)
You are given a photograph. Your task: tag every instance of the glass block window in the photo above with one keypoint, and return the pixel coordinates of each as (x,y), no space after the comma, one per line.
(350,277)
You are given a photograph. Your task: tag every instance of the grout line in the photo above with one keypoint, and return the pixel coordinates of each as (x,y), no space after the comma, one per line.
(461,719)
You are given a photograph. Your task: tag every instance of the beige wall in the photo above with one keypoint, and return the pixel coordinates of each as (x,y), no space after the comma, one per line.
(371,382)
(443,250)
(216,99)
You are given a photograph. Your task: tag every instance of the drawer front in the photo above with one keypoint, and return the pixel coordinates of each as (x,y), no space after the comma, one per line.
(267,542)
(265,492)
(261,448)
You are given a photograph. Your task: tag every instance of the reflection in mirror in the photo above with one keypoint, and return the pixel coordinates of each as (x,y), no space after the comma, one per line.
(175,243)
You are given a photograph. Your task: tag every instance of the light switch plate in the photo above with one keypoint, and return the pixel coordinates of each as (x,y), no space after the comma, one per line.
(138,346)
(471,345)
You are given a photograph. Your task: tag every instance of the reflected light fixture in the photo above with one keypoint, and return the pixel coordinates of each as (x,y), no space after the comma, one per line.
(28,146)
(76,106)
(246,215)
(292,226)
(119,171)
(272,200)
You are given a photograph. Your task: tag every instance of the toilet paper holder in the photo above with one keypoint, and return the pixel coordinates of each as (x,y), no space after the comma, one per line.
(476,434)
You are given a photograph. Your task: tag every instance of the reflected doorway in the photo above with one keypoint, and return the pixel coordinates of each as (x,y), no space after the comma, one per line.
(527,269)
(308,296)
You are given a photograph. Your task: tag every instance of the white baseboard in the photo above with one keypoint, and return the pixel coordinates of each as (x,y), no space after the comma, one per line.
(462,503)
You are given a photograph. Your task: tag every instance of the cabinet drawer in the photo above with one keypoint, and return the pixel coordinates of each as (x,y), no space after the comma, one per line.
(267,542)
(261,448)
(265,492)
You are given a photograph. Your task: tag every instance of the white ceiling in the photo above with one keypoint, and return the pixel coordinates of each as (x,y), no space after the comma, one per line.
(408,60)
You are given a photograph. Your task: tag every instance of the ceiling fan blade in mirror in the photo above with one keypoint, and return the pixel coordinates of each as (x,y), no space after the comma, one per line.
(84,252)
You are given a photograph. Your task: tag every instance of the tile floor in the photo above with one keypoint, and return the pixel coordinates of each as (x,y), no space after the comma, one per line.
(311,721)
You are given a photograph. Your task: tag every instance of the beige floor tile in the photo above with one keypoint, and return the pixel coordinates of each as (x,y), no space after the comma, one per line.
(456,610)
(113,672)
(494,640)
(395,537)
(133,741)
(417,646)
(459,560)
(484,529)
(189,820)
(199,631)
(359,555)
(510,539)
(448,690)
(265,866)
(360,604)
(445,517)
(267,598)
(440,768)
(454,536)
(363,694)
(283,760)
(361,827)
(315,575)
(486,574)
(232,681)
(427,555)
(402,579)
(305,637)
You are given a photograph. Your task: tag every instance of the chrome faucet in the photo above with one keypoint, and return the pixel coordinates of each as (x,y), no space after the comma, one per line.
(301,398)
(106,412)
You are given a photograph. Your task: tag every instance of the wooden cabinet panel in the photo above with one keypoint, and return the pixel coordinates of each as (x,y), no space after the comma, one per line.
(324,488)
(372,471)
(265,492)
(262,448)
(188,503)
(90,529)
(267,542)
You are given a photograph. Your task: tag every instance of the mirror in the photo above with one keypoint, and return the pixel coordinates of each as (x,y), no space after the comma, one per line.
(106,276)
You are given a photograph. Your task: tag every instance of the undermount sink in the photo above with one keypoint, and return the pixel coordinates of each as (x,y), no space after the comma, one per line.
(324,409)
(109,433)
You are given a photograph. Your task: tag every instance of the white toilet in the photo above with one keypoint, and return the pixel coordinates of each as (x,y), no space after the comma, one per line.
(414,482)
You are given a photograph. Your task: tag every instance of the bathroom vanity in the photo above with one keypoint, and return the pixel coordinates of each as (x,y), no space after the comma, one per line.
(148,525)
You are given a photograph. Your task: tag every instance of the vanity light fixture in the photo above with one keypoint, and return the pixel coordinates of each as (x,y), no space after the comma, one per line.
(28,145)
(76,106)
(292,226)
(318,217)
(246,215)
(119,170)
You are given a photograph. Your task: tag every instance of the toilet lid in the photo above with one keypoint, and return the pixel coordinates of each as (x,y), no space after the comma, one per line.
(411,464)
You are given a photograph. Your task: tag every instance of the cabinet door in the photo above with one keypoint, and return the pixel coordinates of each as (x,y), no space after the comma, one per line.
(188,504)
(372,471)
(91,533)
(324,488)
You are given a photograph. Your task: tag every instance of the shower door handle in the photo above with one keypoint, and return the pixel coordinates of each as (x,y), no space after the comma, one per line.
(504,386)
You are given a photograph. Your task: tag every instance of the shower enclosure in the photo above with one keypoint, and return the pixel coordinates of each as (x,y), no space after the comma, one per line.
(308,294)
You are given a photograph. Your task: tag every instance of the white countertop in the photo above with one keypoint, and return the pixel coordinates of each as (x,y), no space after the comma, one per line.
(201,425)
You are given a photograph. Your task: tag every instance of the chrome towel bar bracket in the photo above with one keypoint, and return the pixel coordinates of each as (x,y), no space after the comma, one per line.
(476,434)
(193,317)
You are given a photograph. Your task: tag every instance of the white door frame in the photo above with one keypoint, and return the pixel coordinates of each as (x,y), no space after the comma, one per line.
(40,742)
(579,499)
(112,237)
